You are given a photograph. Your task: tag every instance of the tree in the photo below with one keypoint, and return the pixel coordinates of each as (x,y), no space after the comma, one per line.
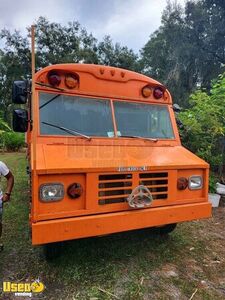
(14,63)
(63,44)
(116,55)
(204,123)
(55,43)
(188,50)
(205,21)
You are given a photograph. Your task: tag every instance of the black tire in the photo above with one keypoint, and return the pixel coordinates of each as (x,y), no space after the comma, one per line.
(166,229)
(52,251)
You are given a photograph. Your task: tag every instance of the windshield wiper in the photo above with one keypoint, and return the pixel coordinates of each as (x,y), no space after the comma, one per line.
(72,132)
(139,137)
(49,86)
(49,101)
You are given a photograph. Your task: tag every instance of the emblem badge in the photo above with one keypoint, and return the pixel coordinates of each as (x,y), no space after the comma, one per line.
(140,197)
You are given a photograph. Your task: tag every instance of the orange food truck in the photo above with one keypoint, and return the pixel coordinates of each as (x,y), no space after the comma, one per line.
(105,154)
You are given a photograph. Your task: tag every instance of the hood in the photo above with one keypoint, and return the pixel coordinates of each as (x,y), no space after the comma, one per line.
(66,159)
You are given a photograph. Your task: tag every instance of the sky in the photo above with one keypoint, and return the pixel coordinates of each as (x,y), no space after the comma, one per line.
(129,22)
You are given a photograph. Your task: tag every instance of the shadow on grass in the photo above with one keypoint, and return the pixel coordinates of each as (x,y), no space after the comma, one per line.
(105,257)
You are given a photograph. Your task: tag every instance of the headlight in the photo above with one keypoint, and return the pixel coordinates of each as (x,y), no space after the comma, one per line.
(51,192)
(195,182)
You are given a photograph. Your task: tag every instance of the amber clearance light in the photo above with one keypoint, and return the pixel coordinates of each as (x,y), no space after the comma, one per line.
(146,91)
(75,190)
(71,81)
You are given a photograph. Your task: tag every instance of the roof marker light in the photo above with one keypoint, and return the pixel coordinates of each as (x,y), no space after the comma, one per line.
(158,93)
(54,79)
(71,81)
(146,91)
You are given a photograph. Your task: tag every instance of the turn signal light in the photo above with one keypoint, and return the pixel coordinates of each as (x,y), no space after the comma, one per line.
(54,79)
(75,190)
(71,81)
(182,183)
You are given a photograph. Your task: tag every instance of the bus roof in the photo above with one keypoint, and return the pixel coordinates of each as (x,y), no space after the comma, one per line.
(104,81)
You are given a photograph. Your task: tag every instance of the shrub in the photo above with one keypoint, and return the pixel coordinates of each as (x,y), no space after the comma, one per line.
(4,127)
(213,179)
(204,123)
(13,141)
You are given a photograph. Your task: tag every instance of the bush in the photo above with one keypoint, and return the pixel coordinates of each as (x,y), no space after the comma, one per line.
(4,127)
(204,123)
(12,141)
(213,179)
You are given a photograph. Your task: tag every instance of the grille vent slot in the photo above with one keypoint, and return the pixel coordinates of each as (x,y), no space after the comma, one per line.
(157,183)
(114,188)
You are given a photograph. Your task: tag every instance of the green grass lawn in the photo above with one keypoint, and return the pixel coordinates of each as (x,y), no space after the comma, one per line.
(131,265)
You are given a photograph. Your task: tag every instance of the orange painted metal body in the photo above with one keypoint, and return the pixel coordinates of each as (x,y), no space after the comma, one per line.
(93,163)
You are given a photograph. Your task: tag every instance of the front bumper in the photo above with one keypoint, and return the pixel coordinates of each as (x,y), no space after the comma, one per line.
(44,232)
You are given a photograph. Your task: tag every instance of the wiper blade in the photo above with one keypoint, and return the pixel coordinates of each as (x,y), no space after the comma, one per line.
(72,132)
(139,137)
(49,101)
(49,86)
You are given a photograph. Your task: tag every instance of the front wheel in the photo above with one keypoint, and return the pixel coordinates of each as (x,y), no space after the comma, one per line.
(166,229)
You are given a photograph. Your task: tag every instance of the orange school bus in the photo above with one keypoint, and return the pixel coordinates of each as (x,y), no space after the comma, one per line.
(105,154)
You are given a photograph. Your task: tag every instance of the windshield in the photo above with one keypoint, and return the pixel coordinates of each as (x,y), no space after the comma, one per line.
(63,115)
(143,120)
(88,116)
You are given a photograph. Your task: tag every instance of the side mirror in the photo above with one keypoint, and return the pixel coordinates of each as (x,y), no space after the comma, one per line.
(179,123)
(20,92)
(20,120)
(176,108)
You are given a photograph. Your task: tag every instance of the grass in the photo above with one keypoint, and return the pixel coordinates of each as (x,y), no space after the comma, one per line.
(132,265)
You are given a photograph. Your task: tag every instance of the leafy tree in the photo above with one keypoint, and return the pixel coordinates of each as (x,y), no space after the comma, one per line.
(4,127)
(14,64)
(188,50)
(205,21)
(63,44)
(116,55)
(204,123)
(55,43)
